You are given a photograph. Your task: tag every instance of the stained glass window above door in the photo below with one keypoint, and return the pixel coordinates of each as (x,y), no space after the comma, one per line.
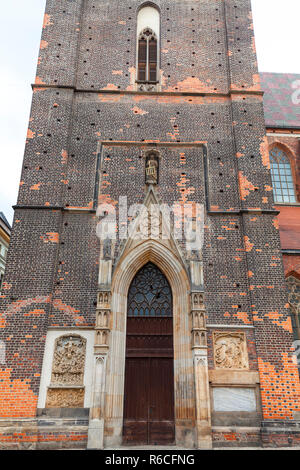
(150,294)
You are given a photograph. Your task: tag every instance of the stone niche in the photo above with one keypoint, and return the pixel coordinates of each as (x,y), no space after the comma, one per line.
(230,350)
(66,389)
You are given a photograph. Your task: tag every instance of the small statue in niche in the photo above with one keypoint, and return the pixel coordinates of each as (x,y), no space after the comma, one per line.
(152,168)
(107,249)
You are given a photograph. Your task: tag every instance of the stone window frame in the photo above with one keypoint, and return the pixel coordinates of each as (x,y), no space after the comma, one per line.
(139,33)
(147,35)
(291,161)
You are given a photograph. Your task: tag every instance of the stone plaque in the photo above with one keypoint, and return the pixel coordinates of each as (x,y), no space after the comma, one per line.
(234,399)
(230,350)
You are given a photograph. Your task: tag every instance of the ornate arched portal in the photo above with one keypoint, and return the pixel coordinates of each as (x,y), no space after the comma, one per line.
(184,385)
(149,416)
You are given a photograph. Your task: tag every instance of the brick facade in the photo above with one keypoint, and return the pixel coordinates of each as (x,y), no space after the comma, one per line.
(88,129)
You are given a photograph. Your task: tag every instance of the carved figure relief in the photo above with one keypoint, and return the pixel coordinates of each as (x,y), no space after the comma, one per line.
(152,168)
(68,360)
(66,388)
(65,398)
(230,350)
(107,249)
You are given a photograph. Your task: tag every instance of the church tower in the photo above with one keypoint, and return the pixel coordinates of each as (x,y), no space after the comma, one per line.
(144,299)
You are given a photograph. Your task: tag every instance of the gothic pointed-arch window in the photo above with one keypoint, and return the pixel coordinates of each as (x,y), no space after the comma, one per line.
(282,178)
(150,294)
(148,31)
(147,57)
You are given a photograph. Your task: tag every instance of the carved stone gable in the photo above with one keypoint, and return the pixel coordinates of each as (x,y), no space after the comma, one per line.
(230,350)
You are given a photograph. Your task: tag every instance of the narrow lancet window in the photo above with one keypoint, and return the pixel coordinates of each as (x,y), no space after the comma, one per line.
(148,31)
(147,56)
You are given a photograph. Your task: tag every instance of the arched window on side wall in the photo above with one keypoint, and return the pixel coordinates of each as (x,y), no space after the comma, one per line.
(282,178)
(148,30)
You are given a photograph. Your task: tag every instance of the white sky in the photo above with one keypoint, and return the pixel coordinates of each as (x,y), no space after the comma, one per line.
(277,39)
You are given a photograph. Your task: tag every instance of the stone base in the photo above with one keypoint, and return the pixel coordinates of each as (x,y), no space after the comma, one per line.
(186,434)
(235,436)
(280,433)
(270,434)
(43,433)
(49,432)
(204,438)
(95,434)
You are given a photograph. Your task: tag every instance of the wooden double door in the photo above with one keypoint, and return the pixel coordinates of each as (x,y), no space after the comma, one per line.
(149,369)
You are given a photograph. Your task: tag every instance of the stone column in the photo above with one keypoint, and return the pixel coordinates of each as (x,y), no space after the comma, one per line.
(102,331)
(199,345)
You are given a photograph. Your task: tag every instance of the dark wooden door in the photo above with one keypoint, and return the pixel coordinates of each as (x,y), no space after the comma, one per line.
(149,377)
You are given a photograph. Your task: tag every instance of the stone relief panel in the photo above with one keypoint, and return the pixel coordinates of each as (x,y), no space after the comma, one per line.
(68,361)
(65,398)
(230,350)
(66,388)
